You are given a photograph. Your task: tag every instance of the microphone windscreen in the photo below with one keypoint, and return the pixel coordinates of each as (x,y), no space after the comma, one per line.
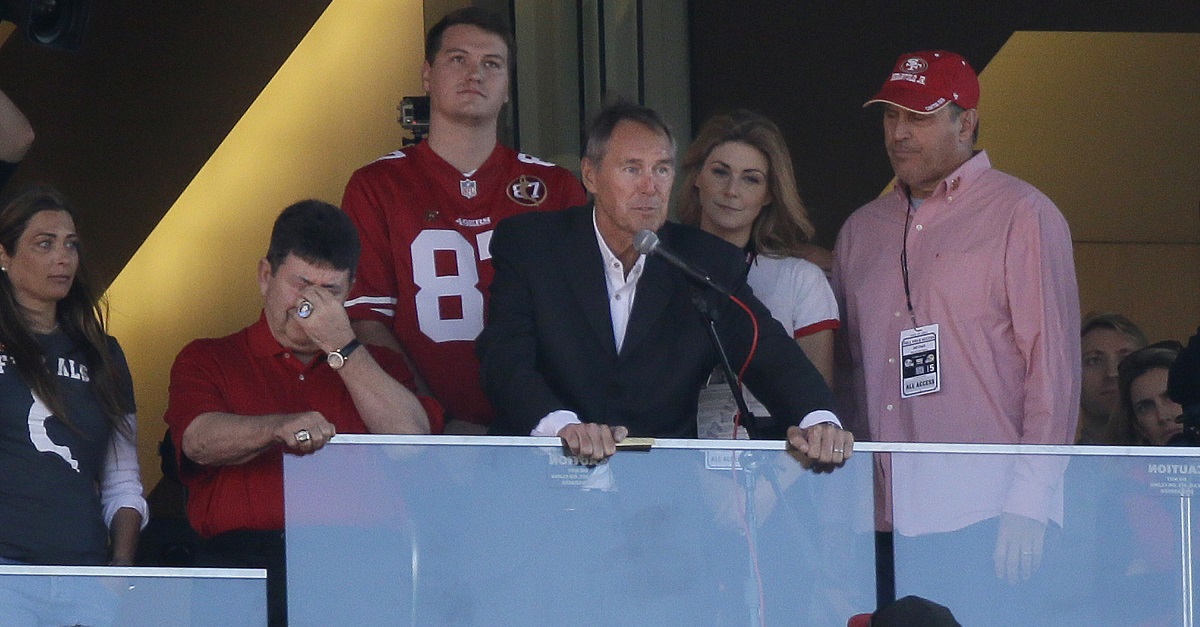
(645,241)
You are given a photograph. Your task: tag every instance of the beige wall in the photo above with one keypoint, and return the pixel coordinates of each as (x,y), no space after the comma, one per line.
(330,109)
(1105,124)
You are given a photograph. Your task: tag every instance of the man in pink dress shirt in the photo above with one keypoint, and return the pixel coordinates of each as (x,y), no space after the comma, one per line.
(961,317)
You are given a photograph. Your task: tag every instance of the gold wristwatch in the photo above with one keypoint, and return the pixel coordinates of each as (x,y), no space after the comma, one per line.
(338,358)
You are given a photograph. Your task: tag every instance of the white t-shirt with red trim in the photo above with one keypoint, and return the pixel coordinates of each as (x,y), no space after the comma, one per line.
(797,293)
(799,297)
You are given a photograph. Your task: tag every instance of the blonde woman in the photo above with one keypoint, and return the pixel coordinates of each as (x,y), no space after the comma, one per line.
(738,184)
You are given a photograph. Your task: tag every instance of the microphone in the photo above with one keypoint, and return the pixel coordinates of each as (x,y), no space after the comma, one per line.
(647,243)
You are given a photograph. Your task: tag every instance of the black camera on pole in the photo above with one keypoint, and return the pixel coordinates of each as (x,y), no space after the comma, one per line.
(53,23)
(414,117)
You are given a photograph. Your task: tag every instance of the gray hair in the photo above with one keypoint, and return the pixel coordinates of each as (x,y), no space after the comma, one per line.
(605,122)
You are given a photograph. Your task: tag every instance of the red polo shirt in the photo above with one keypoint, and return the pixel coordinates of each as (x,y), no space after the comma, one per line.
(249,373)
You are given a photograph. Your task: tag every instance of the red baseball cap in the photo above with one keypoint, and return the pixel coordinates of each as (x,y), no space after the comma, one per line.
(926,81)
(907,612)
(859,620)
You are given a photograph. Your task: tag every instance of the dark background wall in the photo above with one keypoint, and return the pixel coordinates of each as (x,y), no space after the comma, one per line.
(809,65)
(124,123)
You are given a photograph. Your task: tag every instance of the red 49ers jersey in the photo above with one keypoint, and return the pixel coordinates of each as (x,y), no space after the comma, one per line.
(425,267)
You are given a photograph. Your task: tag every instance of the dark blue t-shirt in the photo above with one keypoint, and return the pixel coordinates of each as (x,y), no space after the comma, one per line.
(50,474)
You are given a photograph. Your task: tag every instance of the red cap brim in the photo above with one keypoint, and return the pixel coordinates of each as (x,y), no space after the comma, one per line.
(910,99)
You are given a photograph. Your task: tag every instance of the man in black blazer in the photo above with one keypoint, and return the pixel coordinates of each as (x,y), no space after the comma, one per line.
(590,340)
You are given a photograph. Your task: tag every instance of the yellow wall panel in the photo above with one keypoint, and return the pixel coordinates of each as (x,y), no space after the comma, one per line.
(1104,124)
(330,109)
(1154,284)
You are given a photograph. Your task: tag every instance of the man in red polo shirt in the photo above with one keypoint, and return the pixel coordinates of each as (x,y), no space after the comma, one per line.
(285,384)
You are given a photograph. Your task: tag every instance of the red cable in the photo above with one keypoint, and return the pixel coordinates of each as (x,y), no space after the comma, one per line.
(737,420)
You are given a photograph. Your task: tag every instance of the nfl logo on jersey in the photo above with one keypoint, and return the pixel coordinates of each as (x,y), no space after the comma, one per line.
(468,188)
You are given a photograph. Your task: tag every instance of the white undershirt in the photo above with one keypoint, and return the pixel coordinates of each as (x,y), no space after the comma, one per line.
(621,291)
(622,288)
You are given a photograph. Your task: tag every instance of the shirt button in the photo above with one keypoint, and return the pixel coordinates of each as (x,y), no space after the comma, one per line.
(891,360)
(287,355)
(920,228)
(897,314)
(616,297)
(301,377)
(889,407)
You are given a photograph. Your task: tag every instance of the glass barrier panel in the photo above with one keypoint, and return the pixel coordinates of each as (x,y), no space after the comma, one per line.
(509,534)
(1046,539)
(132,597)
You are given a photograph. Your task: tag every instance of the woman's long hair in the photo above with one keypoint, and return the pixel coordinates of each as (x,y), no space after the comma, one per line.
(783,225)
(1122,428)
(80,315)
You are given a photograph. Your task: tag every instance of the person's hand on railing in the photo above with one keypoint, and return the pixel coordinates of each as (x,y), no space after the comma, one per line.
(822,447)
(1018,547)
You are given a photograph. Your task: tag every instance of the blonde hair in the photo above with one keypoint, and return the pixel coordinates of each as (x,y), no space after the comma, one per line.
(783,226)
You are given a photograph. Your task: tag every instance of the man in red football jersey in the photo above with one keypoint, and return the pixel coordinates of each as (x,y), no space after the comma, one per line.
(426,213)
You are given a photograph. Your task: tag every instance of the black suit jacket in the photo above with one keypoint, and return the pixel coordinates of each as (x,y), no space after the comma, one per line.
(548,343)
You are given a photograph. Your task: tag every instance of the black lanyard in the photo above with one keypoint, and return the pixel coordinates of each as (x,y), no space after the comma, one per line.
(904,261)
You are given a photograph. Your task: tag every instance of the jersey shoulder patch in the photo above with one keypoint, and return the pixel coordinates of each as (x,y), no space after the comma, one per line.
(395,154)
(524,158)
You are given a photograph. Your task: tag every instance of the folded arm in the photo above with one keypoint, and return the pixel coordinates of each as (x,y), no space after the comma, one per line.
(16,134)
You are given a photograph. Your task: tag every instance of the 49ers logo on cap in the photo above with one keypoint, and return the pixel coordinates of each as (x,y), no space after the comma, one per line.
(527,190)
(910,70)
(925,81)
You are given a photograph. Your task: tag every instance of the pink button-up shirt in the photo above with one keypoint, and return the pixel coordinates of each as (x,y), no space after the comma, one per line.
(990,261)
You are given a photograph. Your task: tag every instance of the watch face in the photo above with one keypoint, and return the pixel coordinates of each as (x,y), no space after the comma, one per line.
(335,360)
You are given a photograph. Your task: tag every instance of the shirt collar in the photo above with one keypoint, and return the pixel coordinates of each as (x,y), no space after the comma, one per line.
(262,341)
(610,258)
(446,165)
(959,180)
